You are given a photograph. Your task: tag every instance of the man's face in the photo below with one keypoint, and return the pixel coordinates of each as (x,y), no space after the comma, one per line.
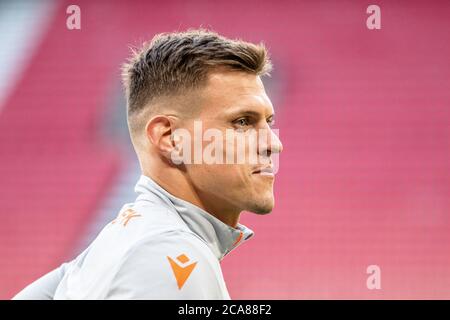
(236,105)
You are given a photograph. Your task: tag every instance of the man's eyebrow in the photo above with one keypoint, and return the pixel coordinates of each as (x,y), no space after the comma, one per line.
(249,113)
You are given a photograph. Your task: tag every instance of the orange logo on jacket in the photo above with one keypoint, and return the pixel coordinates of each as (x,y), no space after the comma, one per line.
(126,216)
(181,272)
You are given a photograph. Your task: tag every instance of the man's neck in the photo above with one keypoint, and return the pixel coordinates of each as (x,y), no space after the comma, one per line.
(184,190)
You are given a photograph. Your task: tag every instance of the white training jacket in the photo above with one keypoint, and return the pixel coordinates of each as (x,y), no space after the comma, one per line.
(159,247)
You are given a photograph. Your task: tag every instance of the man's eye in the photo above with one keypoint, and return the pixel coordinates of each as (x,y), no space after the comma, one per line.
(243,122)
(271,122)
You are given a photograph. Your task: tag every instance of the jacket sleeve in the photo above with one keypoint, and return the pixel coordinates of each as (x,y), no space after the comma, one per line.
(44,288)
(176,265)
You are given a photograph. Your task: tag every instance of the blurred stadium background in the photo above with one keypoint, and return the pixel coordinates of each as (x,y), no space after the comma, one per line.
(364,116)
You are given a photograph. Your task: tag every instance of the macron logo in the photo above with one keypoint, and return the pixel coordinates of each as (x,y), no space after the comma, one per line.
(181,269)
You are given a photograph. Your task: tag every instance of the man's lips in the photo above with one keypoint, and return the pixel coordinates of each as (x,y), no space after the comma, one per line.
(266,171)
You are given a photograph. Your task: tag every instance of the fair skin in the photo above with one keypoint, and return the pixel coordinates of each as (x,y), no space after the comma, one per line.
(233,100)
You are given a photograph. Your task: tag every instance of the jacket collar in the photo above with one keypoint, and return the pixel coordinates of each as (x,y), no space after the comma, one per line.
(220,237)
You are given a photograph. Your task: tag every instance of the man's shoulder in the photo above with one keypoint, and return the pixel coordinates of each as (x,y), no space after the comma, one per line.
(166,262)
(172,242)
(169,264)
(151,224)
(147,230)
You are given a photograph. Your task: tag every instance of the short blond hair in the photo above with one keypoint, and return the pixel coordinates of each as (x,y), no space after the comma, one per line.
(174,62)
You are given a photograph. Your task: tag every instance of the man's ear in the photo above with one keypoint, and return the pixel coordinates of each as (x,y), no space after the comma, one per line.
(159,130)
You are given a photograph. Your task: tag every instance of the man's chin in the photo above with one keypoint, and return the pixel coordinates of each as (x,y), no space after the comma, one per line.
(262,211)
(262,207)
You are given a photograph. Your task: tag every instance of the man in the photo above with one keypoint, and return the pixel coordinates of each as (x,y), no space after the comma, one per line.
(168,244)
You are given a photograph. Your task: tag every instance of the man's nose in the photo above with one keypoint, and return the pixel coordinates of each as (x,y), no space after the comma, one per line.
(270,142)
(275,142)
